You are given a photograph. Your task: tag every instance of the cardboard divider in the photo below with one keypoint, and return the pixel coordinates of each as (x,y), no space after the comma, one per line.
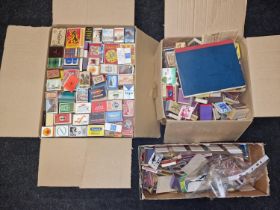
(256,151)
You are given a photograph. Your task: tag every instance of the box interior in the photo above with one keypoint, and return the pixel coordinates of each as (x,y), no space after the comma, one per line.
(95,26)
(196,131)
(245,97)
(146,124)
(261,186)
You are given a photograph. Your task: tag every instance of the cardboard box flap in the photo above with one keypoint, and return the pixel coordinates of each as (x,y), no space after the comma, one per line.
(197,17)
(107,164)
(264,66)
(61,162)
(84,12)
(22,80)
(146,124)
(85,163)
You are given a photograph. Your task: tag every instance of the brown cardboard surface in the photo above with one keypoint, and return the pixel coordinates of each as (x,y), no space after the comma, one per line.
(180,196)
(107,164)
(158,96)
(247,96)
(264,62)
(257,151)
(198,17)
(22,81)
(85,163)
(204,131)
(93,12)
(146,124)
(61,162)
(262,187)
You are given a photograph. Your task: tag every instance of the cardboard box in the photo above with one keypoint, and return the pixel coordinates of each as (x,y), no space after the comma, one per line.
(73,162)
(256,151)
(186,19)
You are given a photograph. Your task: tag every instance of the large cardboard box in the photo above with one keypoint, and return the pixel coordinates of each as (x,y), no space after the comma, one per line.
(77,162)
(185,19)
(261,186)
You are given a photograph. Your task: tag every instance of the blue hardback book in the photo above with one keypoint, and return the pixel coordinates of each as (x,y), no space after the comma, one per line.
(209,68)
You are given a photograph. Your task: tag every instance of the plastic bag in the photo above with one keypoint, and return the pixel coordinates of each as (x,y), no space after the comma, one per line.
(227,173)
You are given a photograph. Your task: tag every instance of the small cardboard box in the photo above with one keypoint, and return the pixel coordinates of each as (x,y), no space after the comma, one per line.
(186,19)
(256,152)
(75,162)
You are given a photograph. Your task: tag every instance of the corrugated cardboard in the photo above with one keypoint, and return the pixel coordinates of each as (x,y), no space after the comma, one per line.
(185,19)
(22,80)
(93,12)
(204,131)
(85,163)
(264,64)
(191,18)
(108,164)
(256,151)
(146,124)
(82,162)
(61,162)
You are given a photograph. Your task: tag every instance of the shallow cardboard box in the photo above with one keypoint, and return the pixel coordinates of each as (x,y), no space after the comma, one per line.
(185,19)
(77,162)
(261,186)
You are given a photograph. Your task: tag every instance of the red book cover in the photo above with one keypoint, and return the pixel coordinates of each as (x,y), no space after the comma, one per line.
(110,52)
(202,46)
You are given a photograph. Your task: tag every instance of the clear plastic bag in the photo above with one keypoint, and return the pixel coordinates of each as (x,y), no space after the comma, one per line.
(226,173)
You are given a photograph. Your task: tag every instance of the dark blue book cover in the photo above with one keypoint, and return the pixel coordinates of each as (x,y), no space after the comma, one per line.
(209,68)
